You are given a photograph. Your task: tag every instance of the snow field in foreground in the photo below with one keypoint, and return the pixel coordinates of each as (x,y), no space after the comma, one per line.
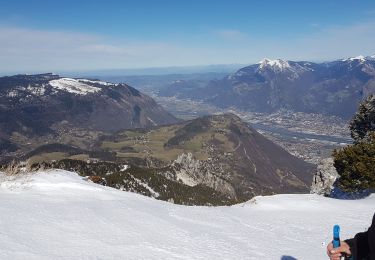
(57,215)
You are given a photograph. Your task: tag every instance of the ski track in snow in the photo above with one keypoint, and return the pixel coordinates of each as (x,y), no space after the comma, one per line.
(57,215)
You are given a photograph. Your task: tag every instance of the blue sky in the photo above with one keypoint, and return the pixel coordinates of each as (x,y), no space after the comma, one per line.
(85,35)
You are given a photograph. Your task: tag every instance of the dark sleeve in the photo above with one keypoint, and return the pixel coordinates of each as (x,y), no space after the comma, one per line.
(360,244)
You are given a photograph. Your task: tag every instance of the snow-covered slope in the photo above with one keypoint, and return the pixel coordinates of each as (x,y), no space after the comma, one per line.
(279,66)
(57,215)
(276,64)
(74,86)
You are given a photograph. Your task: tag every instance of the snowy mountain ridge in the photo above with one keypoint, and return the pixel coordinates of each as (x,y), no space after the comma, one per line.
(38,104)
(70,85)
(360,58)
(276,64)
(75,86)
(103,223)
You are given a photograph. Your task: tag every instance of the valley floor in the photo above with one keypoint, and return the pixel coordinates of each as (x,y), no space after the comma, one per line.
(57,215)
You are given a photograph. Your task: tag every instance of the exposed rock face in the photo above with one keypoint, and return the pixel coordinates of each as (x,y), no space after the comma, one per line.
(324,178)
(190,171)
(16,167)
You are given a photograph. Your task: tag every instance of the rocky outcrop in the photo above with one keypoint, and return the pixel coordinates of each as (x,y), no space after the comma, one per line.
(325,177)
(192,172)
(15,167)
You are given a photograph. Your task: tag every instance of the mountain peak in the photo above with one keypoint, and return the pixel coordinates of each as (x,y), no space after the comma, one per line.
(277,64)
(359,58)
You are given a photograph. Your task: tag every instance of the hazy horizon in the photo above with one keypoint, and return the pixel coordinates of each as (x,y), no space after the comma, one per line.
(161,70)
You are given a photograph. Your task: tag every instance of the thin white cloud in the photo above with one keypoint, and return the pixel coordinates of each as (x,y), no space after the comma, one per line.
(37,50)
(338,41)
(28,50)
(229,34)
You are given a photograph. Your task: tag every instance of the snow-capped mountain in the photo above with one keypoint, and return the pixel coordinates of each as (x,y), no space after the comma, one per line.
(358,63)
(282,66)
(333,88)
(359,58)
(277,65)
(273,68)
(33,105)
(58,215)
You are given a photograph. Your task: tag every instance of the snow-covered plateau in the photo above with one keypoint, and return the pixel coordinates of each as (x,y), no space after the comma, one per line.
(74,86)
(57,215)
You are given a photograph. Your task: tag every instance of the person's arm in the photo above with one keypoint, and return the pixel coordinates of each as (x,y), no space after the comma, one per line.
(359,245)
(355,248)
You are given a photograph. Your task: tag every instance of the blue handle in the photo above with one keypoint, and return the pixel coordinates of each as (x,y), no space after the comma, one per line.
(336,236)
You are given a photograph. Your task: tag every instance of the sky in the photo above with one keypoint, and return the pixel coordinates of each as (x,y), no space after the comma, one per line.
(41,36)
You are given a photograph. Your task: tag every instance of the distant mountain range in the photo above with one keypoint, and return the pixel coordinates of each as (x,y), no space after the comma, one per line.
(47,104)
(333,88)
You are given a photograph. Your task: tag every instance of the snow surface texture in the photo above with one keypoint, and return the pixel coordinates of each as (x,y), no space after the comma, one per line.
(57,215)
(74,86)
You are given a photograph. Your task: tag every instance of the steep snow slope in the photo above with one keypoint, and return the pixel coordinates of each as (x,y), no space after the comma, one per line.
(57,215)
